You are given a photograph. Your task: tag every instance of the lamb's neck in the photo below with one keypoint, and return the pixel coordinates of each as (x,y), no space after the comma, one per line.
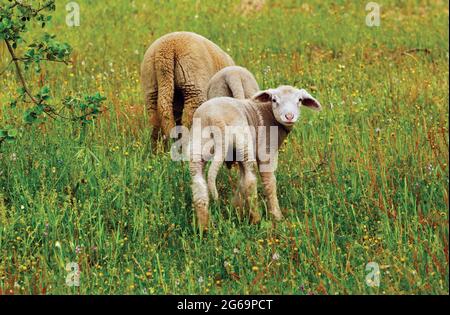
(266,118)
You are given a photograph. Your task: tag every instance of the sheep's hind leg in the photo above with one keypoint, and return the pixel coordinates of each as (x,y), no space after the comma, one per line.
(151,100)
(238,201)
(200,196)
(216,163)
(193,98)
(250,191)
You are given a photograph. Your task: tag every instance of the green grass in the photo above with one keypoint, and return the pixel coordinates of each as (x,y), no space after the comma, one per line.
(366,180)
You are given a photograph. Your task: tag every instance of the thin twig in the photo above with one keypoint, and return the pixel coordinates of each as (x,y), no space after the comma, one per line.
(19,71)
(16,60)
(46,59)
(34,11)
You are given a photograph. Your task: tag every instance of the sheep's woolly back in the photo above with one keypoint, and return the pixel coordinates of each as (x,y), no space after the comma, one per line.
(174,75)
(234,81)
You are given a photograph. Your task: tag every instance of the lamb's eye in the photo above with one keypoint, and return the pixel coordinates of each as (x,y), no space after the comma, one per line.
(274,100)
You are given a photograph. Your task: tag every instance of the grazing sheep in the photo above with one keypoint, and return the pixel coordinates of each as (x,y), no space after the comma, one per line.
(174,76)
(278,109)
(234,81)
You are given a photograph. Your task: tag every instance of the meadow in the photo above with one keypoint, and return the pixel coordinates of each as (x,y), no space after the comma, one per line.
(365,180)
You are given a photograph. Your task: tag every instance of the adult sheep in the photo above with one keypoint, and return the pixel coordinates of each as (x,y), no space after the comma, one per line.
(234,81)
(174,76)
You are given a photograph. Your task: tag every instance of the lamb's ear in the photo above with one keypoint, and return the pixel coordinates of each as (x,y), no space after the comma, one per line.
(262,96)
(309,101)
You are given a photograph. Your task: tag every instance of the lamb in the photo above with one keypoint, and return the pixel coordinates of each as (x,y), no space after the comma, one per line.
(276,108)
(174,76)
(234,81)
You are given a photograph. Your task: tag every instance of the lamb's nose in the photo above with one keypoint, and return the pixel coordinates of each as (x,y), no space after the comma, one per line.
(289,116)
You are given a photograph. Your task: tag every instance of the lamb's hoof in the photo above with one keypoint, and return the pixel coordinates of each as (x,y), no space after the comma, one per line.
(204,229)
(203,222)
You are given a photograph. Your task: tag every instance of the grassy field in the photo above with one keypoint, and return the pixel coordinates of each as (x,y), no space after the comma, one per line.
(365,180)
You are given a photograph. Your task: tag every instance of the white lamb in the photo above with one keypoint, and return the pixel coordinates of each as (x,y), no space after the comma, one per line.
(277,108)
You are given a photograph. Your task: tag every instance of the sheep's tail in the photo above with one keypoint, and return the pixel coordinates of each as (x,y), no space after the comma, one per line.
(165,77)
(212,174)
(234,82)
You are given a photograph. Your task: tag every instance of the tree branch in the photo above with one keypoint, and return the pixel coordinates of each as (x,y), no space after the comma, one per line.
(19,71)
(35,11)
(46,59)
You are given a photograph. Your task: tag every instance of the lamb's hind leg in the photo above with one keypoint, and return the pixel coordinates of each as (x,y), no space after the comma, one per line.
(238,200)
(217,159)
(200,196)
(212,174)
(249,190)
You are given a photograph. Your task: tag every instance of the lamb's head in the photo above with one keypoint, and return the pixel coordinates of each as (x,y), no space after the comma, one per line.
(286,102)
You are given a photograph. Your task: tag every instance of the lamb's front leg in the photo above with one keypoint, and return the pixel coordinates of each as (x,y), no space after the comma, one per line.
(238,200)
(270,189)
